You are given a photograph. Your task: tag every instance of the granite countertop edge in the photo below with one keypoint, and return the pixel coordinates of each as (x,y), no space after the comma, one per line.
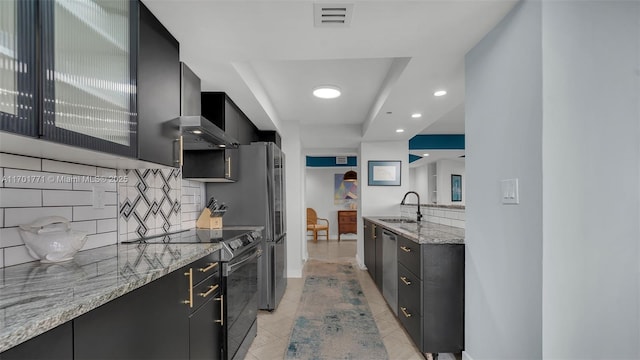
(57,315)
(426,233)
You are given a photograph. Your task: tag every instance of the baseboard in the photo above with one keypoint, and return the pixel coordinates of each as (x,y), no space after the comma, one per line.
(360,263)
(466,356)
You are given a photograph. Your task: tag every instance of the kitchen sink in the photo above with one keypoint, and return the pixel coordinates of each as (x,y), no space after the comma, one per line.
(399,220)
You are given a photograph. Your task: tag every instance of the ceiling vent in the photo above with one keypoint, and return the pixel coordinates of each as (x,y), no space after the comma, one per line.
(332,15)
(341,160)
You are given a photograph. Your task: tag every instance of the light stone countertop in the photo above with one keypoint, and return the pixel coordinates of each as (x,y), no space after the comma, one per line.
(423,233)
(35,297)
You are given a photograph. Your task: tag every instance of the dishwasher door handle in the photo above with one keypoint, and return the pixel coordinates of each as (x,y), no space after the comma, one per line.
(388,234)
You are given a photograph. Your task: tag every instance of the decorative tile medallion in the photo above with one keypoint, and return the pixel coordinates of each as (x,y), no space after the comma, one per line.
(152,202)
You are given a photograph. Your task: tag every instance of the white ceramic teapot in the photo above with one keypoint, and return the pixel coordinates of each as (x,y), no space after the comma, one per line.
(51,239)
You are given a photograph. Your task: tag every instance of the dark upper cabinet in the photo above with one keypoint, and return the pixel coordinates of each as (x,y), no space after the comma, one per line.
(89,70)
(18,75)
(211,165)
(102,76)
(158,91)
(219,165)
(224,113)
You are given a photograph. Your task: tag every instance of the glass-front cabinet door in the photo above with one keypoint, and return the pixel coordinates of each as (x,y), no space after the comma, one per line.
(89,57)
(18,67)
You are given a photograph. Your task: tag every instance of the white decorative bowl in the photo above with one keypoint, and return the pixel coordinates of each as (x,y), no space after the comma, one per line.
(51,239)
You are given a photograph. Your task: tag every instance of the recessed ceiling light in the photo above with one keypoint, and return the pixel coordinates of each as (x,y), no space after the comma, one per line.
(426,154)
(399,130)
(197,132)
(326,92)
(416,115)
(440,93)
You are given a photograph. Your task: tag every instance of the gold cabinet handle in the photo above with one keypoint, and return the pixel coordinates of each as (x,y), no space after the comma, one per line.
(212,288)
(221,299)
(404,280)
(405,249)
(404,311)
(373,227)
(209,267)
(190,301)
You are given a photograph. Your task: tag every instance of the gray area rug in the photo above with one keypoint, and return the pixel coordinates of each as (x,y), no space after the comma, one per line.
(333,320)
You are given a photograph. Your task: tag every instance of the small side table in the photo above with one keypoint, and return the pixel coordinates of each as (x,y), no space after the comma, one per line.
(347,222)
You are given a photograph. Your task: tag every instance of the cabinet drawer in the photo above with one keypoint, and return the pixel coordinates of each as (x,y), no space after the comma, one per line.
(344,228)
(205,290)
(409,290)
(347,220)
(409,255)
(411,321)
(204,268)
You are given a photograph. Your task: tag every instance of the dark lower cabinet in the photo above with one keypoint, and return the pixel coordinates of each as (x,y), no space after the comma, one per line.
(373,251)
(369,248)
(55,344)
(205,331)
(431,295)
(148,323)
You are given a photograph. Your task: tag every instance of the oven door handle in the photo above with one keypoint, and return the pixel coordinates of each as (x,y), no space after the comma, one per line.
(232,266)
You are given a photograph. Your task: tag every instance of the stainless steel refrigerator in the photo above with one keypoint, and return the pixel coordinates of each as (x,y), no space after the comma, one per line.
(258,198)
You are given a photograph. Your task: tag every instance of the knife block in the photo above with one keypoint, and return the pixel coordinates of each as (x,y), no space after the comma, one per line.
(205,221)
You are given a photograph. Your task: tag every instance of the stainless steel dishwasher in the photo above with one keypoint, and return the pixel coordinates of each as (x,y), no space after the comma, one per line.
(390,269)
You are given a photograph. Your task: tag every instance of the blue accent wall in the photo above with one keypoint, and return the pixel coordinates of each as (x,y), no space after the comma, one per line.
(413,158)
(437,142)
(329,161)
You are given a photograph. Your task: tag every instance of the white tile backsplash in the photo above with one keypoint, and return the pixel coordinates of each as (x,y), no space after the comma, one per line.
(107,225)
(98,240)
(66,198)
(27,179)
(41,187)
(20,162)
(18,216)
(16,255)
(88,226)
(89,213)
(10,237)
(20,197)
(68,168)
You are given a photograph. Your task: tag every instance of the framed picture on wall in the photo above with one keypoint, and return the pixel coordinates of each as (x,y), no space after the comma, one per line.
(384,173)
(456,187)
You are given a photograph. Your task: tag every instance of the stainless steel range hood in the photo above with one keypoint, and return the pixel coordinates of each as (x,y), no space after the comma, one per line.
(198,133)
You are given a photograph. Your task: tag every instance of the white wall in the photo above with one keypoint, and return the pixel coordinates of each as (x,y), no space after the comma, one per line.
(319,193)
(444,169)
(503,127)
(294,183)
(553,100)
(591,162)
(419,181)
(380,200)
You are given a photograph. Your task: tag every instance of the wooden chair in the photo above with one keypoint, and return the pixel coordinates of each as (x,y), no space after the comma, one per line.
(312,224)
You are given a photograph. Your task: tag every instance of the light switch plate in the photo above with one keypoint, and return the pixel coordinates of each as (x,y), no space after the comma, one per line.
(509,191)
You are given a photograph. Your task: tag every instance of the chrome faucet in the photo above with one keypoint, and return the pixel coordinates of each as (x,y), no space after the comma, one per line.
(419,215)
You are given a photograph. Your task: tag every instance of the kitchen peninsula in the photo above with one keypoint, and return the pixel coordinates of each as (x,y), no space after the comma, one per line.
(418,266)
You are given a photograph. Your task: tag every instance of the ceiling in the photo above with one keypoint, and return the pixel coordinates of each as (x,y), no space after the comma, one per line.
(268,56)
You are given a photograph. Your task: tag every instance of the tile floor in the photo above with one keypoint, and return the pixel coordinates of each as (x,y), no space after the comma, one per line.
(274,328)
